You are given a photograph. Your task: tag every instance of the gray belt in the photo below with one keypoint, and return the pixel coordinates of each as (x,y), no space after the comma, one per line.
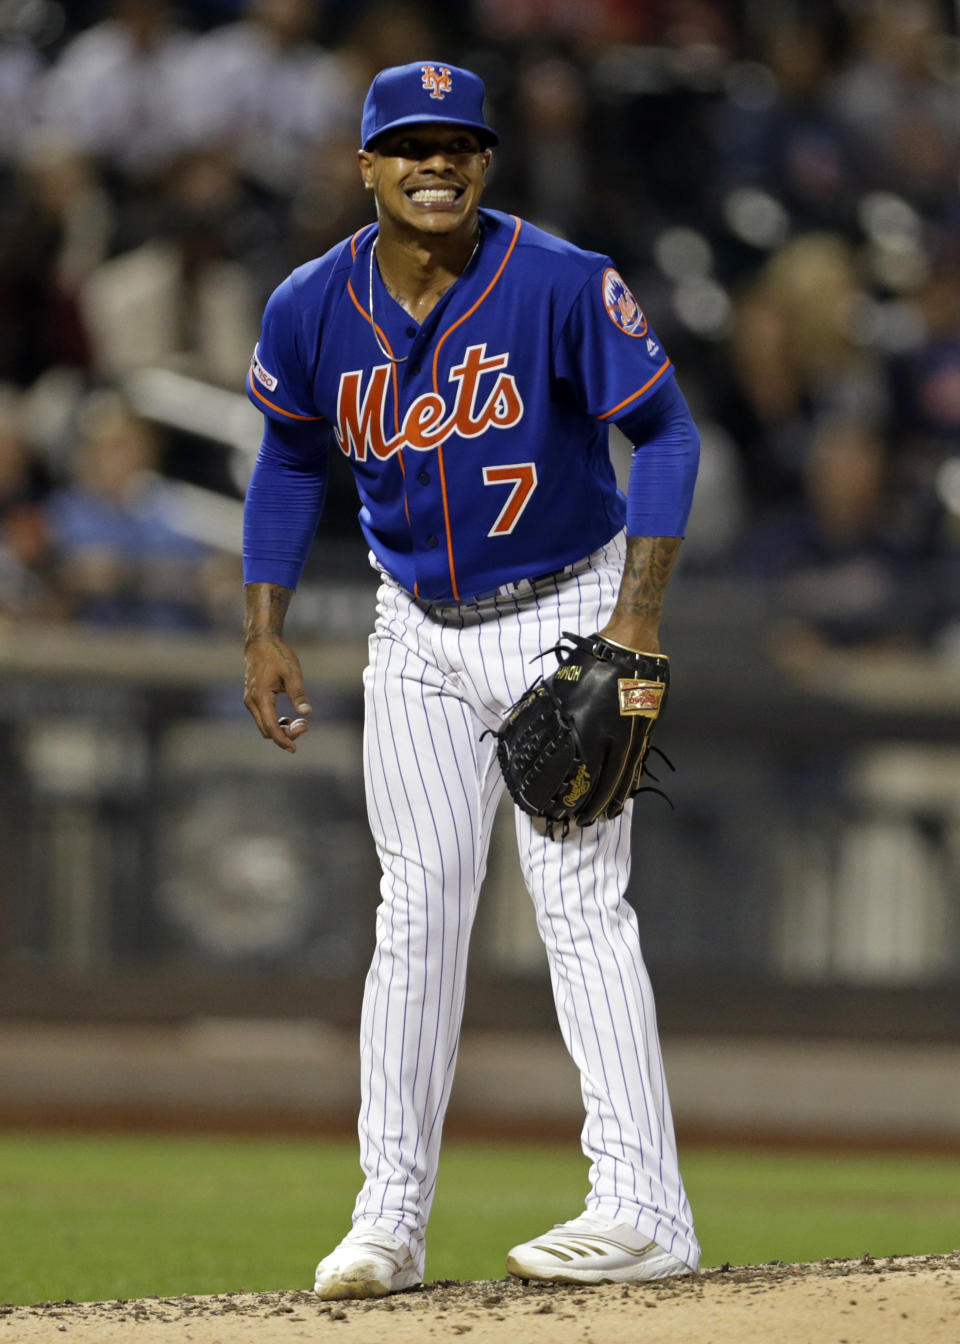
(520,588)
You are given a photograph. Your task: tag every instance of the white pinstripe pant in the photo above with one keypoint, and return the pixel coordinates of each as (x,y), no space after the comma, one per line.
(436,679)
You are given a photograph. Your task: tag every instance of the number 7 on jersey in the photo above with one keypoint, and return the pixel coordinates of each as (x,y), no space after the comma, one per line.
(523,477)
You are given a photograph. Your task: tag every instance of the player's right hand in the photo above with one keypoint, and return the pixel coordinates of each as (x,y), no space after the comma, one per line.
(271,667)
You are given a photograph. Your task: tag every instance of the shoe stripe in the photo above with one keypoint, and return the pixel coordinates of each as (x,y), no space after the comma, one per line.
(570,1247)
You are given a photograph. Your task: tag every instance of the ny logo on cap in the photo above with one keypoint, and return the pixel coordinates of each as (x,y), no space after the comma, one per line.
(438,82)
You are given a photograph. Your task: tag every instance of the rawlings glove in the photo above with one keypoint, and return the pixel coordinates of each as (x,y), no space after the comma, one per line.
(573,747)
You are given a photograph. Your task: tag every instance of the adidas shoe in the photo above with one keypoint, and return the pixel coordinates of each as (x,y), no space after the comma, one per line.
(591,1249)
(368,1263)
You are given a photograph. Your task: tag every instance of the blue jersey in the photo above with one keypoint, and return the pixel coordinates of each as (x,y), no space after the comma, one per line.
(479,440)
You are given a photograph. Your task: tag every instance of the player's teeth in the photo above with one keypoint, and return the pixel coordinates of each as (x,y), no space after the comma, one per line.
(432,195)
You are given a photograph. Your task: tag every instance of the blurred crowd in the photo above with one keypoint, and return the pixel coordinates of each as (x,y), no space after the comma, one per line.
(779,183)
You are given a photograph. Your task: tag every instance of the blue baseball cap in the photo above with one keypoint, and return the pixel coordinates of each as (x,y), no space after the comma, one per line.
(404,95)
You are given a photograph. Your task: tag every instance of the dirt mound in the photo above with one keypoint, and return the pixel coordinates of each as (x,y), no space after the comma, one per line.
(896,1300)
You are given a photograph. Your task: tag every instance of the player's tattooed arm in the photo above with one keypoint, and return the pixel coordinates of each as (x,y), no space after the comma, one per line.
(635,622)
(271,666)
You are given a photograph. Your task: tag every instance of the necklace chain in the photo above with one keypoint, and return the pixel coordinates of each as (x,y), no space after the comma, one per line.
(399,359)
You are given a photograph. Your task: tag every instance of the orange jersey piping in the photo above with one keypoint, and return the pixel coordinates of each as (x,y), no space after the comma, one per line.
(473,308)
(273,406)
(396,387)
(393,367)
(353,241)
(639,393)
(436,387)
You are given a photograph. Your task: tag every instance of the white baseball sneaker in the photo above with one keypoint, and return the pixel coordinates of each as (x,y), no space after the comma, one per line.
(367,1263)
(591,1249)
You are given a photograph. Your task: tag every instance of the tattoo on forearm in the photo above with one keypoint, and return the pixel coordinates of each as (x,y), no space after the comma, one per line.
(267,605)
(646,574)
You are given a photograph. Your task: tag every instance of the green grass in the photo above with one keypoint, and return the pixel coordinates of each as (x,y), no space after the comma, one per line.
(93,1218)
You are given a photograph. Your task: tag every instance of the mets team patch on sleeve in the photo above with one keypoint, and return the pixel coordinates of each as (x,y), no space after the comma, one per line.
(260,373)
(622,308)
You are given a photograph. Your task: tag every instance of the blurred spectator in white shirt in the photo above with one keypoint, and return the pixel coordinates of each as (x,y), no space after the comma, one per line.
(62,180)
(263,90)
(180,300)
(117,88)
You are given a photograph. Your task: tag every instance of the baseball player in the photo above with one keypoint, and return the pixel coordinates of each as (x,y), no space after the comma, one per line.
(469,366)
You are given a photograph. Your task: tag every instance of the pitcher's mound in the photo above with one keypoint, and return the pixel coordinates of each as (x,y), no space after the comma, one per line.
(896,1300)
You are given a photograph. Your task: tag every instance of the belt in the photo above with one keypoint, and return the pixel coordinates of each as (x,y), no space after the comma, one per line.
(519,588)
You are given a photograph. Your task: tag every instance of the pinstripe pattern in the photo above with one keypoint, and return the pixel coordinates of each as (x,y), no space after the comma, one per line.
(437,677)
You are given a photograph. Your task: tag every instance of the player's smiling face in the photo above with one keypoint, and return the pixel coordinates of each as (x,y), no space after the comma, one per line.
(429,176)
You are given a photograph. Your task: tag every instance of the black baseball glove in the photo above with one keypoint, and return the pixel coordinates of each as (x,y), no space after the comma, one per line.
(573,747)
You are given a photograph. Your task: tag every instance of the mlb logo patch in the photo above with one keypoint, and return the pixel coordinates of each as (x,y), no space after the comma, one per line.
(640,697)
(260,373)
(622,308)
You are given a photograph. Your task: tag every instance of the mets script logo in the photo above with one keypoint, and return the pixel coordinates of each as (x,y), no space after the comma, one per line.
(437,81)
(485,398)
(621,306)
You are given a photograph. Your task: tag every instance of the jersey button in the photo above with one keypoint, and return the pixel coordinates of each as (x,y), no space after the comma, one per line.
(423,477)
(411,332)
(433,541)
(416,369)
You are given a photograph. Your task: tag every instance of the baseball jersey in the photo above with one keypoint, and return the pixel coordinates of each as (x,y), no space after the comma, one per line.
(478,442)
